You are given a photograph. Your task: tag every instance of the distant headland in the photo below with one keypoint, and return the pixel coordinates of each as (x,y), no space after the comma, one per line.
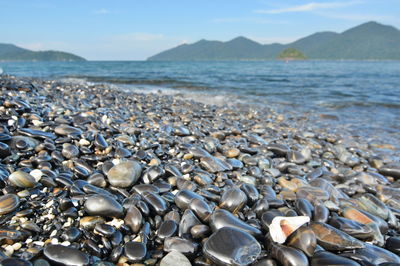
(368,41)
(11,52)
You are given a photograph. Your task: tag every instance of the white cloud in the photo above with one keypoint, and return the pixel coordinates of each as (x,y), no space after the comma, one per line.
(308,7)
(248,20)
(359,17)
(101,11)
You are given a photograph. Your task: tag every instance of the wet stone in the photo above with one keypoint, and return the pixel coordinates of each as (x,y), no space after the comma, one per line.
(167,229)
(135,251)
(102,205)
(15,262)
(233,200)
(124,174)
(181,245)
(175,258)
(66,130)
(22,179)
(133,219)
(65,255)
(8,203)
(288,256)
(231,246)
(223,218)
(331,238)
(328,258)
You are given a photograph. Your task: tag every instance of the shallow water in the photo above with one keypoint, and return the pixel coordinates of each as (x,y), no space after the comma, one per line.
(361,97)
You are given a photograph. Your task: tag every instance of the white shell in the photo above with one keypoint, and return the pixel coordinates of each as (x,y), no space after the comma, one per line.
(276,231)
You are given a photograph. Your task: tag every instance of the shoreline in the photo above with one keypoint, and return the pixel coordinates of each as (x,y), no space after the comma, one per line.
(91,173)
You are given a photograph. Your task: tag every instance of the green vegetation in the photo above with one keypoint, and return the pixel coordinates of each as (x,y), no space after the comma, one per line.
(369,41)
(291,54)
(10,52)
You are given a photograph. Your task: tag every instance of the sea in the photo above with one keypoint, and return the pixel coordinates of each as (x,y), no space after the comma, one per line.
(361,98)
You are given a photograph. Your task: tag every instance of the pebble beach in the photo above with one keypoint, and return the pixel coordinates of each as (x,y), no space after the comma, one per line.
(93,175)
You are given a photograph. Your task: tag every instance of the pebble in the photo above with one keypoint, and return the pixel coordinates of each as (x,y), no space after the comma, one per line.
(231,246)
(8,203)
(175,258)
(103,205)
(124,174)
(65,255)
(154,179)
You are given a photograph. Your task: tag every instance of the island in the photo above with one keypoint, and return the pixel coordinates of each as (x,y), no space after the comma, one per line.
(291,54)
(11,52)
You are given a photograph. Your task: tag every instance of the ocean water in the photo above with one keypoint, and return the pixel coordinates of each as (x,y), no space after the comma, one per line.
(361,97)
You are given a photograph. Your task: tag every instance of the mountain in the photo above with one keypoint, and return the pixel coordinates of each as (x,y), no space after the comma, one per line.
(10,52)
(368,41)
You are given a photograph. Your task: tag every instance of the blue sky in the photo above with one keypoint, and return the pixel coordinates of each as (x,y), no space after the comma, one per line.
(137,29)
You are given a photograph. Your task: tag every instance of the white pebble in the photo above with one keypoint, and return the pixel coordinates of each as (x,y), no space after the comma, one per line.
(66,243)
(53,233)
(39,243)
(37,174)
(49,204)
(54,241)
(9,250)
(17,246)
(37,122)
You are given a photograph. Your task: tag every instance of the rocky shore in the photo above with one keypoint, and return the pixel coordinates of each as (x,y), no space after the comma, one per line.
(91,175)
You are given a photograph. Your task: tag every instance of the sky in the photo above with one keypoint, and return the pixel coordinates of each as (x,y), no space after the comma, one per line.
(137,29)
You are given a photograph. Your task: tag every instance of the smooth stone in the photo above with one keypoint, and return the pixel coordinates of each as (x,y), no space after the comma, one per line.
(71,234)
(102,205)
(184,246)
(8,203)
(22,179)
(304,239)
(65,130)
(393,244)
(251,192)
(175,258)
(15,262)
(188,220)
(135,251)
(156,203)
(288,256)
(124,174)
(10,234)
(69,151)
(233,200)
(328,258)
(200,231)
(201,209)
(104,229)
(214,164)
(333,239)
(231,246)
(321,213)
(184,197)
(392,170)
(353,228)
(373,254)
(4,150)
(168,228)
(278,149)
(133,219)
(89,222)
(36,133)
(296,157)
(100,142)
(222,218)
(65,255)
